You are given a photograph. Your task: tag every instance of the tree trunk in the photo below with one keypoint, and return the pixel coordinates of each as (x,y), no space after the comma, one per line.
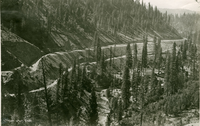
(2,98)
(141,117)
(46,94)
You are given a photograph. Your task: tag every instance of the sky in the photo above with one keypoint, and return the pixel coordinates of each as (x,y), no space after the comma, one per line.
(175,4)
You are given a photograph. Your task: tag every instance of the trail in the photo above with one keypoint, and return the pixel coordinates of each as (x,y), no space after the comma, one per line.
(34,67)
(103,103)
(42,88)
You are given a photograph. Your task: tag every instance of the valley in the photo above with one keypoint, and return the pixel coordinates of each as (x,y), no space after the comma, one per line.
(98,63)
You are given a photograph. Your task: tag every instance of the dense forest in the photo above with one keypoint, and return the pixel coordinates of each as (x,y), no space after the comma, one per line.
(146,82)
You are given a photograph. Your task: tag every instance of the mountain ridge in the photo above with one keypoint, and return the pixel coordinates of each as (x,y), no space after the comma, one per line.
(177,11)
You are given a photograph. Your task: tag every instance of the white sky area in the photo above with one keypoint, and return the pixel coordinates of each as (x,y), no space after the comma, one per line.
(175,4)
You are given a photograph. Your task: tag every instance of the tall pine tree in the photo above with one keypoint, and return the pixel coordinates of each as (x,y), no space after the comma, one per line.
(135,60)
(167,73)
(93,117)
(144,53)
(129,56)
(173,71)
(125,87)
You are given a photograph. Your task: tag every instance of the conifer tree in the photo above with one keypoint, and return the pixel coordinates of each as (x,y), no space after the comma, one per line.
(93,105)
(36,108)
(133,83)
(98,51)
(119,110)
(129,56)
(135,60)
(102,65)
(19,96)
(2,97)
(167,73)
(73,79)
(85,82)
(173,71)
(46,94)
(155,47)
(142,98)
(194,71)
(159,43)
(66,84)
(125,87)
(178,62)
(59,90)
(144,53)
(78,75)
(83,78)
(59,84)
(153,85)
(110,62)
(184,51)
(159,58)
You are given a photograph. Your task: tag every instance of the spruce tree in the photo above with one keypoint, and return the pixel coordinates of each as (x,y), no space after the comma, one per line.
(173,71)
(194,71)
(142,98)
(135,60)
(125,87)
(159,58)
(98,51)
(73,79)
(144,53)
(59,90)
(102,64)
(19,96)
(59,84)
(83,77)
(85,82)
(93,117)
(46,93)
(36,108)
(155,47)
(3,91)
(167,73)
(133,83)
(184,51)
(129,56)
(119,110)
(66,83)
(78,74)
(153,84)
(110,62)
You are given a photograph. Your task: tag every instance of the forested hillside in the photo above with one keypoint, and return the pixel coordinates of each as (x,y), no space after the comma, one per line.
(97,62)
(54,26)
(187,25)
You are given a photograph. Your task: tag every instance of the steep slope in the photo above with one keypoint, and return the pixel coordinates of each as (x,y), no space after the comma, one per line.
(53,60)
(55,26)
(17,51)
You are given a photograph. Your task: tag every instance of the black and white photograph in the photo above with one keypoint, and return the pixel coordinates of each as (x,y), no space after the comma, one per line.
(100,62)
